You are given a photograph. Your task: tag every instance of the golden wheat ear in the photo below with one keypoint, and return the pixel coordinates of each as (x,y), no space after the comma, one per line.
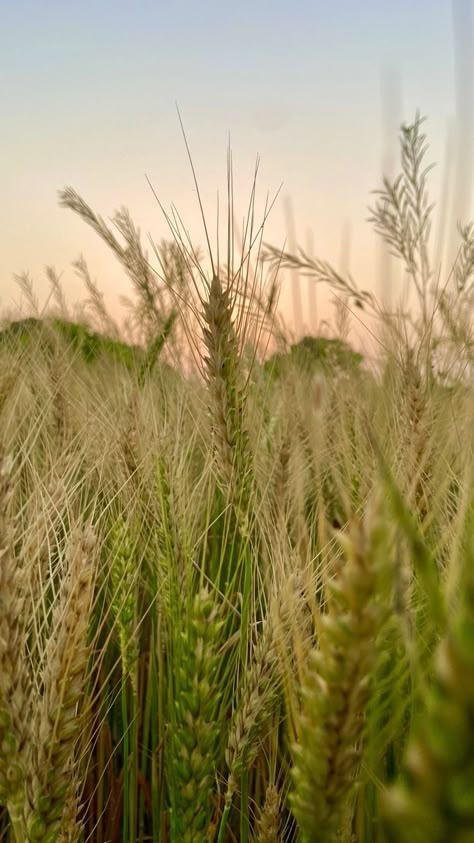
(269,819)
(59,715)
(254,707)
(223,375)
(15,695)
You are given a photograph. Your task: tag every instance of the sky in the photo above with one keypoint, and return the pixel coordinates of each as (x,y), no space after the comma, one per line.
(317,90)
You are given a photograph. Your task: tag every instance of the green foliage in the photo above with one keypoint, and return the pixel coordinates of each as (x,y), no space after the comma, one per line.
(89,345)
(312,354)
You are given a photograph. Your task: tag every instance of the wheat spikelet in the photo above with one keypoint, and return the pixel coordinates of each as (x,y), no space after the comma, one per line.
(58,719)
(336,691)
(72,828)
(256,703)
(419,430)
(195,727)
(294,636)
(131,255)
(222,365)
(269,820)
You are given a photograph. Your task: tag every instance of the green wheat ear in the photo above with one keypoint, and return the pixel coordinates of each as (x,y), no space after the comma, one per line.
(337,689)
(196,726)
(434,801)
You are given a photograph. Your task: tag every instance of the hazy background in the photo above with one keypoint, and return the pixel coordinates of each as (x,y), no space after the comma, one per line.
(317,89)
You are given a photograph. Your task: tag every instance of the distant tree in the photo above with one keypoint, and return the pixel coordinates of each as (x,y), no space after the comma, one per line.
(79,337)
(313,353)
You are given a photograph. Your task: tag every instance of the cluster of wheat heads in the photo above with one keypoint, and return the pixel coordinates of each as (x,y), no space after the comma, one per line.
(235,602)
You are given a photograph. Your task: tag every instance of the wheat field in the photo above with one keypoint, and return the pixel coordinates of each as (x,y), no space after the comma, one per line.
(237,573)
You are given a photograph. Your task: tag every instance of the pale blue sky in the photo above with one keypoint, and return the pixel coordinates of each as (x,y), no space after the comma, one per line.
(88,92)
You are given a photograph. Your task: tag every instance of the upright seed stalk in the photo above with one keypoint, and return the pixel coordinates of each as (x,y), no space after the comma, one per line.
(222,368)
